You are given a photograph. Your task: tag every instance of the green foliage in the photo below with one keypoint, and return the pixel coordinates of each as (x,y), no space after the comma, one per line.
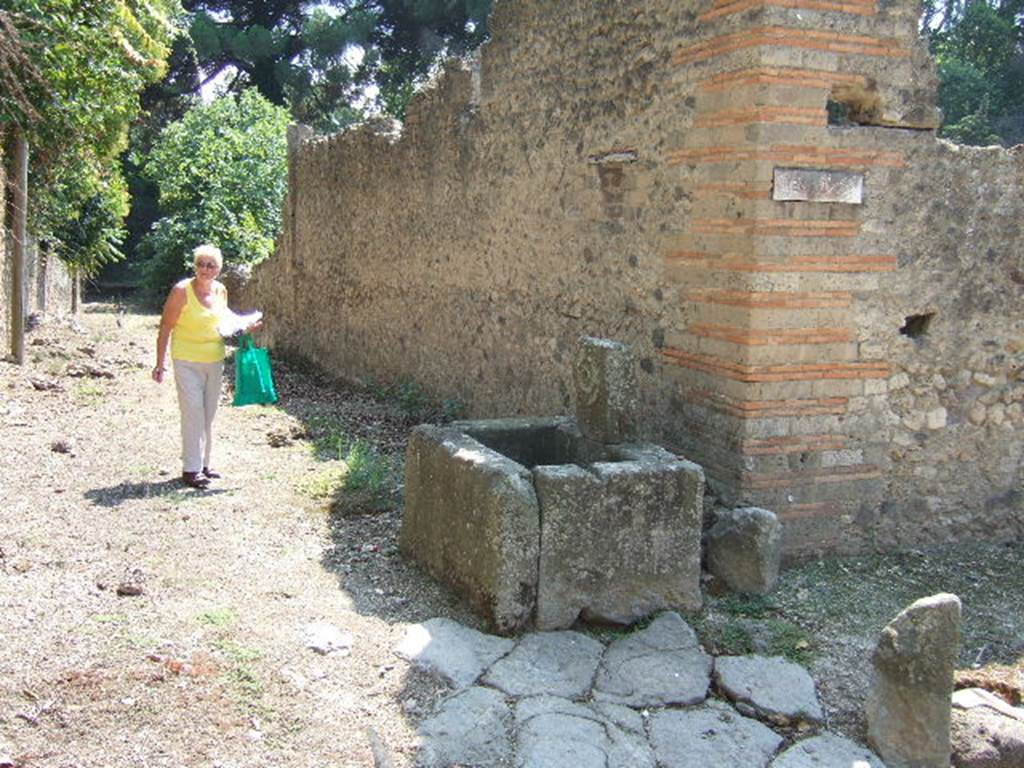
(416,404)
(366,480)
(79,66)
(740,624)
(750,606)
(980,52)
(221,172)
(320,58)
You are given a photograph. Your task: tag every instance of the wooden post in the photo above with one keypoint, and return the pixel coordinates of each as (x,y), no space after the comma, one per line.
(19,174)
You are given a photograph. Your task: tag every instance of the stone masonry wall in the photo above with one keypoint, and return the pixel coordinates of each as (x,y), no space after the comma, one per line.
(613,169)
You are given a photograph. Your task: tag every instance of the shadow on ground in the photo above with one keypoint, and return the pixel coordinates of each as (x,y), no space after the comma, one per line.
(115,495)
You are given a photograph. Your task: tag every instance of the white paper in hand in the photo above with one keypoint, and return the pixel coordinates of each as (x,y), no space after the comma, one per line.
(232,323)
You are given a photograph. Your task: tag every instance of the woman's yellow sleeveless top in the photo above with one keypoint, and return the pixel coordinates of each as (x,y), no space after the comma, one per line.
(195,338)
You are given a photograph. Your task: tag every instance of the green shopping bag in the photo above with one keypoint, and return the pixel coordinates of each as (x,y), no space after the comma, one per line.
(254,381)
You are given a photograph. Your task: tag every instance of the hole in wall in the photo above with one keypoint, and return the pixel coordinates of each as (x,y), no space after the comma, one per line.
(838,113)
(916,326)
(855,104)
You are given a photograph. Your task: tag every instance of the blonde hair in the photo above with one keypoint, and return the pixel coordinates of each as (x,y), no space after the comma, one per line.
(210,251)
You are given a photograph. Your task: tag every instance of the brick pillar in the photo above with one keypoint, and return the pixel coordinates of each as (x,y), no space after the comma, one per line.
(770,363)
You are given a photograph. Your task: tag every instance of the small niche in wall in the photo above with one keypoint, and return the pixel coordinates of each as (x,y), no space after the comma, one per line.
(916,326)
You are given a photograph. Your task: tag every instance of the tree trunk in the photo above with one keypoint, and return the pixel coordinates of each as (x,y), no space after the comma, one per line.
(19,179)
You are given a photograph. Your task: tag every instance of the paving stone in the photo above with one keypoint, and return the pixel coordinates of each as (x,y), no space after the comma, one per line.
(986,731)
(660,665)
(552,663)
(456,654)
(711,736)
(471,728)
(555,732)
(827,751)
(770,688)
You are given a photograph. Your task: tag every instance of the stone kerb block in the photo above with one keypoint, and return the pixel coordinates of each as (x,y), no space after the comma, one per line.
(620,539)
(606,393)
(472,520)
(909,703)
(745,549)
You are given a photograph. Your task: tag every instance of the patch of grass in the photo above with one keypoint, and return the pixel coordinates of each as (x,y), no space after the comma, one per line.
(362,480)
(88,390)
(722,635)
(330,439)
(789,640)
(218,617)
(741,624)
(416,404)
(241,673)
(324,484)
(110,618)
(751,606)
(368,470)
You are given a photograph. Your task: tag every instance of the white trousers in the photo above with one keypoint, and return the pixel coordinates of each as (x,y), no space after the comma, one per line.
(198,393)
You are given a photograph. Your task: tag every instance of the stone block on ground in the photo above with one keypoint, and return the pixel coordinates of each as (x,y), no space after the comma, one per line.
(660,665)
(606,391)
(986,731)
(456,654)
(620,540)
(769,688)
(827,751)
(555,733)
(745,549)
(471,519)
(908,706)
(471,728)
(711,736)
(548,663)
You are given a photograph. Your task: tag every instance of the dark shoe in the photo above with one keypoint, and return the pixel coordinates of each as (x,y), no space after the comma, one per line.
(212,474)
(194,480)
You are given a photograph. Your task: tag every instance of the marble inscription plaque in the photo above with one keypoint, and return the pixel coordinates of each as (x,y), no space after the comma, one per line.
(816,186)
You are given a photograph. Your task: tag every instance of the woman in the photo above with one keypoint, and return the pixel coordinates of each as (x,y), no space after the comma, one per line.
(189,321)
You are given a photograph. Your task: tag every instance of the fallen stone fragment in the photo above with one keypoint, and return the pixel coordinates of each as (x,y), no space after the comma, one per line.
(456,654)
(711,736)
(660,665)
(553,663)
(472,728)
(554,732)
(129,589)
(44,385)
(325,638)
(827,751)
(80,370)
(986,731)
(773,689)
(908,706)
(745,549)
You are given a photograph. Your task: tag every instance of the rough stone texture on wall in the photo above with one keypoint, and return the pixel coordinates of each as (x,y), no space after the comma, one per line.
(851,361)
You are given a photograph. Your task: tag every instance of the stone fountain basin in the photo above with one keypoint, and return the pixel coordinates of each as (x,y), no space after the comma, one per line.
(536,526)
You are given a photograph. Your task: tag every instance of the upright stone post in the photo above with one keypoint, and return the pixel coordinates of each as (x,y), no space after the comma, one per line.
(909,704)
(606,391)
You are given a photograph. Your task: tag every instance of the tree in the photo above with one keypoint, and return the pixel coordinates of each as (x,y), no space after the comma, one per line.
(81,67)
(221,171)
(320,59)
(980,52)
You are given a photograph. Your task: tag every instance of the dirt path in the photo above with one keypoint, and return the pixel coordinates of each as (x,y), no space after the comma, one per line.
(208,665)
(146,624)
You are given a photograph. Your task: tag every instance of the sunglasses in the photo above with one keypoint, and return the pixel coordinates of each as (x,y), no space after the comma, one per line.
(206,264)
